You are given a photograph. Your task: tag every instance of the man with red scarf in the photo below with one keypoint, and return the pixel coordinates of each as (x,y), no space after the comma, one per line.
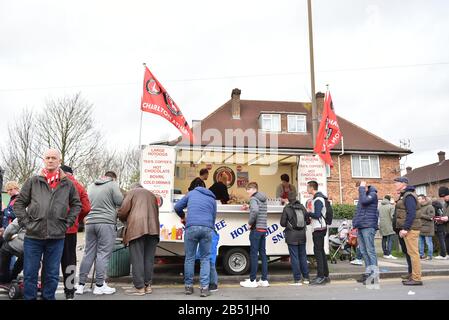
(41,209)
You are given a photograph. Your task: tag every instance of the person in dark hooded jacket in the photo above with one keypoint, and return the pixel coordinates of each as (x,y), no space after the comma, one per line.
(366,221)
(440,229)
(295,236)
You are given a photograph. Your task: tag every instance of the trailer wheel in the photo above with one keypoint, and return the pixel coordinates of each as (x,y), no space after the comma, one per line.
(236,261)
(14,291)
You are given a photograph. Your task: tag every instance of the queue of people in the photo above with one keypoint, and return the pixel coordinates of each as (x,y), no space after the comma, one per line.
(40,224)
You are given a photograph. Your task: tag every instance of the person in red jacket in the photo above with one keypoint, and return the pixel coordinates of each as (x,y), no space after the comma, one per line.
(68,261)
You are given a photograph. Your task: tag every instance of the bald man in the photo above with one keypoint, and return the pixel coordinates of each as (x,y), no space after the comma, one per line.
(47,205)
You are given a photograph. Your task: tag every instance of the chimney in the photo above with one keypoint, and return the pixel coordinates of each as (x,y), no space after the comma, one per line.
(441,156)
(235,101)
(320,104)
(409,170)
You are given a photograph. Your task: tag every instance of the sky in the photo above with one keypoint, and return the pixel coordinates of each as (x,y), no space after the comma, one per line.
(386,61)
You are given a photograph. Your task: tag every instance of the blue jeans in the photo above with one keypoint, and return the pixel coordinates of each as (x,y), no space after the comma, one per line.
(197,236)
(213,274)
(51,250)
(358,253)
(366,241)
(257,246)
(298,258)
(387,244)
(429,242)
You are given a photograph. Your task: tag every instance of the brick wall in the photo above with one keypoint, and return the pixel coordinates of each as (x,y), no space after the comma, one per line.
(389,169)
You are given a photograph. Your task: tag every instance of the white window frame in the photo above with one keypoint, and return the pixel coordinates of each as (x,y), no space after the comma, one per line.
(370,176)
(273,123)
(295,118)
(421,190)
(328,170)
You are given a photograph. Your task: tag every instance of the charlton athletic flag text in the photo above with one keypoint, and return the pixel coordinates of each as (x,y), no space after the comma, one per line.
(155,99)
(329,134)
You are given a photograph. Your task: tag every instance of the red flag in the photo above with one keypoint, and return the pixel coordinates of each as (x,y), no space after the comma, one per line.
(155,99)
(329,134)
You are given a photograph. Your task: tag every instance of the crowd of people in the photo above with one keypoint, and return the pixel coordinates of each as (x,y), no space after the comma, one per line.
(414,219)
(40,225)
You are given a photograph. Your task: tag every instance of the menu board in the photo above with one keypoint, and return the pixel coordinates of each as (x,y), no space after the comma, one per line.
(311,168)
(157,174)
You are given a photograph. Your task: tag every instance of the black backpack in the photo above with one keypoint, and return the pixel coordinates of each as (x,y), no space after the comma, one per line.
(298,220)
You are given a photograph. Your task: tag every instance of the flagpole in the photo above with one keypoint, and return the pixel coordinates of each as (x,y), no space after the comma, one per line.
(140,130)
(339,168)
(141,119)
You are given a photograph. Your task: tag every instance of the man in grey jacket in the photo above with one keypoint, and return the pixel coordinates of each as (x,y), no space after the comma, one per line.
(105,198)
(258,225)
(14,237)
(47,205)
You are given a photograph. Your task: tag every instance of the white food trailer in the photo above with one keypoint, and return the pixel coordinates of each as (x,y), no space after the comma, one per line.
(167,172)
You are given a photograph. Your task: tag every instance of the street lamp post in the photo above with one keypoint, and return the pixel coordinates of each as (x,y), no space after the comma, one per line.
(312,75)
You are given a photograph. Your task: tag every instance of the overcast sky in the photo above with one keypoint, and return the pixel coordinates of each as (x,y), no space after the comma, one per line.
(386,61)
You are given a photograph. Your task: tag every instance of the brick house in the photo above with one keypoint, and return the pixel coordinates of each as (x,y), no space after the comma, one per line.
(428,179)
(366,156)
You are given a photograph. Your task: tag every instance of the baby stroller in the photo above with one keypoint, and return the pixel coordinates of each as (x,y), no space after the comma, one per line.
(16,288)
(339,245)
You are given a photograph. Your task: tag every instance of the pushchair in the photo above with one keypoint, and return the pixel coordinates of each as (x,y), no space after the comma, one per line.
(15,289)
(339,243)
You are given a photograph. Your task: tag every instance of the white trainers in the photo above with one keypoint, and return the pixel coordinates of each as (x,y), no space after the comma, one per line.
(440,258)
(296,284)
(79,290)
(357,262)
(104,289)
(387,257)
(263,283)
(249,284)
(393,257)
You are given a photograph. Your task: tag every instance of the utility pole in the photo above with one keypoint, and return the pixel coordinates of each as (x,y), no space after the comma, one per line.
(312,76)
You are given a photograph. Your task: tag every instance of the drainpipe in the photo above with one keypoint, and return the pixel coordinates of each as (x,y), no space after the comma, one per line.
(339,168)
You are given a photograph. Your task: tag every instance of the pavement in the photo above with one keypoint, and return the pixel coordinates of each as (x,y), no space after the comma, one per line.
(168,283)
(434,289)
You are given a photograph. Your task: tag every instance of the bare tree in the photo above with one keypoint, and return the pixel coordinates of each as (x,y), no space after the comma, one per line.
(22,154)
(67,124)
(126,164)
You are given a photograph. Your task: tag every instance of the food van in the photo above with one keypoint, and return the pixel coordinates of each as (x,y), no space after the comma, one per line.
(168,170)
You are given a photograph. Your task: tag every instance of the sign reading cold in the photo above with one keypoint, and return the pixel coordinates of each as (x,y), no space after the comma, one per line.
(311,168)
(157,174)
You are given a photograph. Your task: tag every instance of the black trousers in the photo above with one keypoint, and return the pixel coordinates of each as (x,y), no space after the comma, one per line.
(320,255)
(6,252)
(441,235)
(407,257)
(68,262)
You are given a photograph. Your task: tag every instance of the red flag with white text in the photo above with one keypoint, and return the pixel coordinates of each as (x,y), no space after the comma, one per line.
(329,133)
(155,99)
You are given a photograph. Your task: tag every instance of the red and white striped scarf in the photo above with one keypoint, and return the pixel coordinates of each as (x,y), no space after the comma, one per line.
(53,178)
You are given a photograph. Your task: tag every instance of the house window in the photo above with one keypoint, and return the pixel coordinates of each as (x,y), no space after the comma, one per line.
(365,166)
(296,123)
(328,170)
(421,190)
(270,122)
